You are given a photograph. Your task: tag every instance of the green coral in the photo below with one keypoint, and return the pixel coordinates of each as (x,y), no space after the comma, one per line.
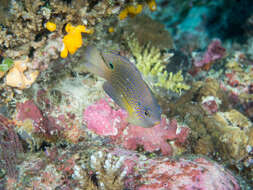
(149,61)
(174,82)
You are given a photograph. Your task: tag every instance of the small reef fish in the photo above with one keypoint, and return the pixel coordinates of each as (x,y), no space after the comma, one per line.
(124,84)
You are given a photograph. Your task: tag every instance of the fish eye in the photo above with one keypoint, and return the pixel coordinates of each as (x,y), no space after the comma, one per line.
(111,65)
(146,113)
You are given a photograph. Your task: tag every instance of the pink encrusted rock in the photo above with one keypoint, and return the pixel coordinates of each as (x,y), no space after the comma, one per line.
(105,121)
(155,138)
(28,110)
(45,126)
(187,175)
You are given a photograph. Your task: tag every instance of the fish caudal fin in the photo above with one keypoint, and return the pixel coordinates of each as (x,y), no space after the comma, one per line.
(94,62)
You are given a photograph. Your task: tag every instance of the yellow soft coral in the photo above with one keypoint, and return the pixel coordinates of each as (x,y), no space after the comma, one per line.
(149,61)
(73,40)
(133,10)
(151,5)
(50,26)
(130,10)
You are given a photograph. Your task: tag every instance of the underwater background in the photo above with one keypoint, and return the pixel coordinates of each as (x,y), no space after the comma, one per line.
(126,95)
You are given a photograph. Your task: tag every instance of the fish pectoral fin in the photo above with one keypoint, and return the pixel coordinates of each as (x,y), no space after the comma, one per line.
(135,121)
(113,94)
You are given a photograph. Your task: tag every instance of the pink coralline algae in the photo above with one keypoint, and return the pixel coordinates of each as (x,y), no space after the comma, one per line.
(155,138)
(214,52)
(187,175)
(103,120)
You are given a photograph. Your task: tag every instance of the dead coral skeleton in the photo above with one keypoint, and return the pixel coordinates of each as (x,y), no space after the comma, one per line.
(24,23)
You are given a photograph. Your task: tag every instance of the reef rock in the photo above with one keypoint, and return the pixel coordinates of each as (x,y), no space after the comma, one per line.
(187,174)
(232,133)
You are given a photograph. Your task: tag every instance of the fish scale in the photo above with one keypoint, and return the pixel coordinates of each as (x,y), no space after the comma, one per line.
(128,93)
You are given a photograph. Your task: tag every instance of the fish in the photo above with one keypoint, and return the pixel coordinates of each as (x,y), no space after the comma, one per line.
(125,85)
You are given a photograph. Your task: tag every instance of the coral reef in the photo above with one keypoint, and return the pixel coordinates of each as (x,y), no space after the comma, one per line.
(238,78)
(234,135)
(59,129)
(55,113)
(130,10)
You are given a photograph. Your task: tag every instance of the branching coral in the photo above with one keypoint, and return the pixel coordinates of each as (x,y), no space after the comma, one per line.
(108,170)
(150,62)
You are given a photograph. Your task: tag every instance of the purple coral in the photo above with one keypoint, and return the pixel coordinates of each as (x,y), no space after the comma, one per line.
(214,52)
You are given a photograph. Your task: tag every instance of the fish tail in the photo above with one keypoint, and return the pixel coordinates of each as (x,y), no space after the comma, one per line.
(94,62)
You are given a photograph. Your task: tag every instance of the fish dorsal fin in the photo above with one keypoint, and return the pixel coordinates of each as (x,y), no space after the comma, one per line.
(111,51)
